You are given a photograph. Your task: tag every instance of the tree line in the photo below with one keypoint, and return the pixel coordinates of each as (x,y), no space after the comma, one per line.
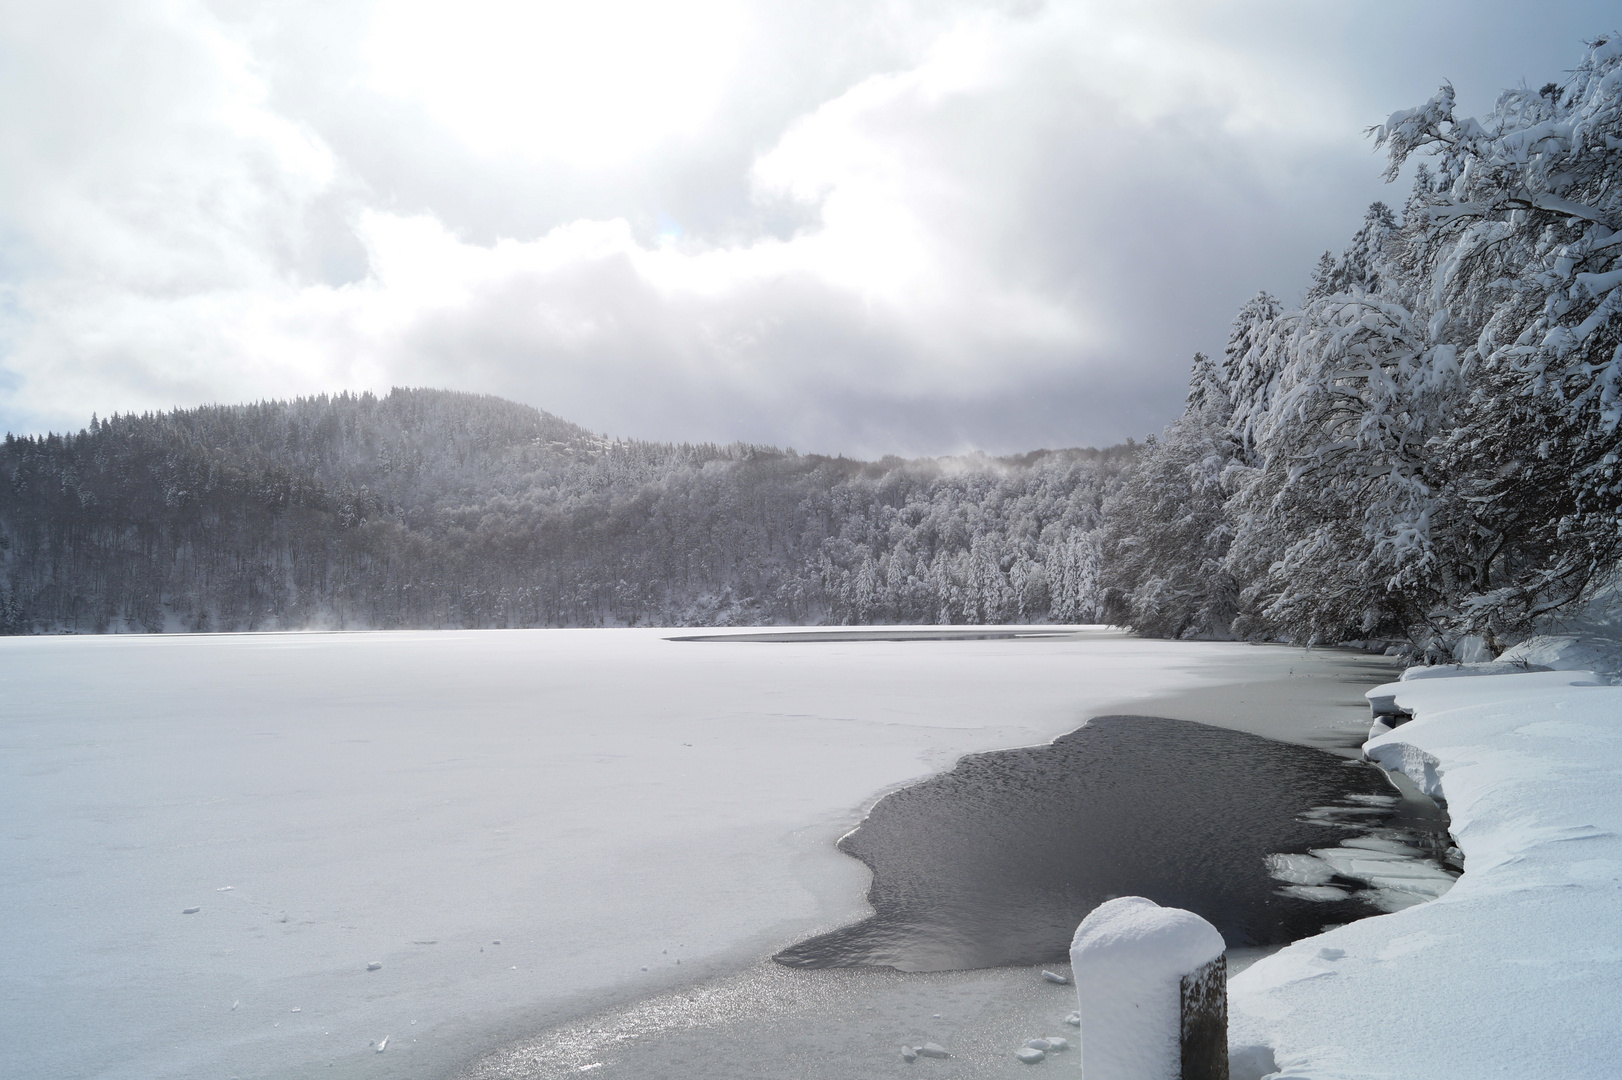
(428,508)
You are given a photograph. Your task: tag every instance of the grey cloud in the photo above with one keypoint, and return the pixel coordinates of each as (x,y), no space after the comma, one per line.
(155,255)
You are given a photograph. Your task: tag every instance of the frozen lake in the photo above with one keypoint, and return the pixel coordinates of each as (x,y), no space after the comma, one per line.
(624,814)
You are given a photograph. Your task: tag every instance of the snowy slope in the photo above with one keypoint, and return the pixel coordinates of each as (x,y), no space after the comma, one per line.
(604,803)
(1515,972)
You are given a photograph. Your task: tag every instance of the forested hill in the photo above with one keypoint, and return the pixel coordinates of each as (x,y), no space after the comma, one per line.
(428,508)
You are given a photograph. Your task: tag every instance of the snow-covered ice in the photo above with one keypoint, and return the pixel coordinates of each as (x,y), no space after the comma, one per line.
(1516,971)
(599,801)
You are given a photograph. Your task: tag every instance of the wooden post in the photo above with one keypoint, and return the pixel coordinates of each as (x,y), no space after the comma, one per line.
(1204,1027)
(1152,985)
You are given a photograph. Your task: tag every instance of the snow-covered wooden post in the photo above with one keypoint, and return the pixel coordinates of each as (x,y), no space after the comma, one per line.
(1153,991)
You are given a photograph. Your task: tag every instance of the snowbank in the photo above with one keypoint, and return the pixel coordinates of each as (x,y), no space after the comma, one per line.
(1568,653)
(1517,970)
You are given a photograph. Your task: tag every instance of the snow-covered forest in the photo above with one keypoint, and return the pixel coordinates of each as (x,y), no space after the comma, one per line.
(430,509)
(1425,447)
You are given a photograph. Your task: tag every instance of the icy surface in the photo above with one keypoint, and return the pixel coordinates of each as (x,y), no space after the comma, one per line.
(1129,958)
(1515,971)
(622,813)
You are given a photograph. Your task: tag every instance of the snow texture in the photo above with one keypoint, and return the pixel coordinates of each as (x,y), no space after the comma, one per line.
(589,798)
(1129,957)
(1560,653)
(1515,970)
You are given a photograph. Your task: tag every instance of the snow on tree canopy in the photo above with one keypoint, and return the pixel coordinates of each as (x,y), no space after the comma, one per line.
(1427,446)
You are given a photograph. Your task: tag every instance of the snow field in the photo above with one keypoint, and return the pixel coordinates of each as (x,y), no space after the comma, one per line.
(1516,971)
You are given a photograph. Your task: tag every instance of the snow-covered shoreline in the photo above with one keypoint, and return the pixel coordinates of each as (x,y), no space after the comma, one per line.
(1515,972)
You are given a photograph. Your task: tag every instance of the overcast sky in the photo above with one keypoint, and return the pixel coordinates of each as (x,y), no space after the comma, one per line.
(867,227)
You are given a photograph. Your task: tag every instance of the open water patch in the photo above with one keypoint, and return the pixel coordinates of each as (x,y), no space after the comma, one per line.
(998,860)
(891,634)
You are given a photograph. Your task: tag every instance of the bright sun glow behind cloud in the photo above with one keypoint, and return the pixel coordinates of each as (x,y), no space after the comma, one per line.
(867,226)
(589,83)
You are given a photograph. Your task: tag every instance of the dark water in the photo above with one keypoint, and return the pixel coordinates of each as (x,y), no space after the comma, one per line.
(815,637)
(997,861)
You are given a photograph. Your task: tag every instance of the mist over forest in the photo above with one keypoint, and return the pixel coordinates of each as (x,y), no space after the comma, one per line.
(1423,446)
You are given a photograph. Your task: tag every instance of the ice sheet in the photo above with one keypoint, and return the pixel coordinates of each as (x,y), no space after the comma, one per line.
(602,803)
(1515,971)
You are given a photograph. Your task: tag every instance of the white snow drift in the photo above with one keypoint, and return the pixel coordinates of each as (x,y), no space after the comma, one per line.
(1517,970)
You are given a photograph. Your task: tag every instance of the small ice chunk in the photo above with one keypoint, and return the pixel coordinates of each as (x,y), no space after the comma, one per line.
(383,1045)
(1074,1019)
(1300,869)
(1375,843)
(1326,953)
(908,1054)
(1038,1044)
(1031,1056)
(933,1050)
(190,910)
(374,965)
(1394,871)
(1056,1043)
(1055,977)
(234,1005)
(1389,900)
(225,888)
(1315,892)
(296,1008)
(1372,800)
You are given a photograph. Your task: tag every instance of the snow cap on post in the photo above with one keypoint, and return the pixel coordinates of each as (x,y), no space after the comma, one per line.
(1130,958)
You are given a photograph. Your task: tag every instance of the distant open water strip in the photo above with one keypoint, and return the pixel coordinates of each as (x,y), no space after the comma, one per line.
(998,860)
(942,634)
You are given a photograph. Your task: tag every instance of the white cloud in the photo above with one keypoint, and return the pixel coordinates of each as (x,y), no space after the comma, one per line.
(915,228)
(590,83)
